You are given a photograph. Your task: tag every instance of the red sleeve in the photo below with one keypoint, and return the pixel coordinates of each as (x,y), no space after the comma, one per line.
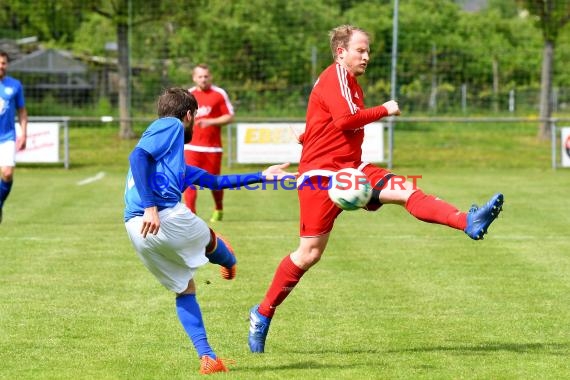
(361,118)
(224,105)
(344,99)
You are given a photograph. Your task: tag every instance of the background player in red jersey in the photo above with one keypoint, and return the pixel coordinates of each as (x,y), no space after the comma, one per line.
(332,140)
(205,149)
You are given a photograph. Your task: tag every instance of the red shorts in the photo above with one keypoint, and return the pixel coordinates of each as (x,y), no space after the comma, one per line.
(317,211)
(209,161)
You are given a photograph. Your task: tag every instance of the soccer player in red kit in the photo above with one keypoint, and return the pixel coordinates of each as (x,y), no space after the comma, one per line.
(332,140)
(205,150)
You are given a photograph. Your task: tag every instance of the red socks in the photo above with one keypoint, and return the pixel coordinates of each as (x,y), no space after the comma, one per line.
(286,277)
(424,207)
(190,199)
(190,196)
(431,209)
(218,199)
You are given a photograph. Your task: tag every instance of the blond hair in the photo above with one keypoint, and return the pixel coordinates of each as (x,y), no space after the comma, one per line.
(340,36)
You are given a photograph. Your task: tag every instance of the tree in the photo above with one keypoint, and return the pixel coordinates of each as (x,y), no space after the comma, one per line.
(420,68)
(126,15)
(118,12)
(552,16)
(490,38)
(260,50)
(48,20)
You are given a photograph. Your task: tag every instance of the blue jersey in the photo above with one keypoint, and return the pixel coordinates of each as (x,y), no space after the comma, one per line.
(161,148)
(11,99)
(164,141)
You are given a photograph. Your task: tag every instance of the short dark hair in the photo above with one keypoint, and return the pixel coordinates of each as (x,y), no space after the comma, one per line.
(5,55)
(176,102)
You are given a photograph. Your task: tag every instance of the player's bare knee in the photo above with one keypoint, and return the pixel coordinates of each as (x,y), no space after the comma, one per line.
(314,255)
(306,257)
(7,173)
(191,289)
(398,191)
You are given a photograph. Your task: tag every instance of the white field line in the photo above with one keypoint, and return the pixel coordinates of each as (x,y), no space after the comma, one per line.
(89,180)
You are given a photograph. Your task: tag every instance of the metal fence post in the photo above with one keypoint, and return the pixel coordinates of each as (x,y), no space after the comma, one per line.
(230,143)
(553,143)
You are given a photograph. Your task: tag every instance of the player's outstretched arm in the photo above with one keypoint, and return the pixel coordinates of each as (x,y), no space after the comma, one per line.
(277,172)
(201,178)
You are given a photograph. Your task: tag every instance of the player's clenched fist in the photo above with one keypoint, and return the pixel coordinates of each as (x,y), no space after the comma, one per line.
(392,107)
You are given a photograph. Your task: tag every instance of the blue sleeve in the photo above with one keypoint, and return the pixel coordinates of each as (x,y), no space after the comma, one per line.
(199,177)
(20,102)
(160,136)
(143,167)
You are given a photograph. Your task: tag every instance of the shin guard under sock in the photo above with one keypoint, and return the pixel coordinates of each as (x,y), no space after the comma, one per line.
(190,317)
(285,279)
(431,209)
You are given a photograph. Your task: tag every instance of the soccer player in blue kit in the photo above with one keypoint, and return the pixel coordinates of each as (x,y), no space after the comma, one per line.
(170,240)
(11,101)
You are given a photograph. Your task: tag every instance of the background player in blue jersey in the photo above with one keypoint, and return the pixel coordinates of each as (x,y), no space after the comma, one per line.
(171,241)
(11,101)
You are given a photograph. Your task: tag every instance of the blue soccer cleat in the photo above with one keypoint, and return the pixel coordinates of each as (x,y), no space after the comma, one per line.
(480,218)
(258,328)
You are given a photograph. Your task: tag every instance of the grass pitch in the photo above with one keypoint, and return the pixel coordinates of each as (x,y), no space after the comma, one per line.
(392,298)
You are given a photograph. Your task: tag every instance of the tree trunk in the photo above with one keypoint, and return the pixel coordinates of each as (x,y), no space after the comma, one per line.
(125,129)
(433,92)
(546,90)
(495,84)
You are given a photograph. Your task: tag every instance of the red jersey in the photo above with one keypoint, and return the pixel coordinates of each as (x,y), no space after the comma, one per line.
(335,122)
(214,102)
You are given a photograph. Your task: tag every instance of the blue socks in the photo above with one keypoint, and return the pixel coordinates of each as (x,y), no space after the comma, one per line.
(5,188)
(190,317)
(221,255)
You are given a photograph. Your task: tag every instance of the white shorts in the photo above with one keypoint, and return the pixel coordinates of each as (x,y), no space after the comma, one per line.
(179,248)
(8,153)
